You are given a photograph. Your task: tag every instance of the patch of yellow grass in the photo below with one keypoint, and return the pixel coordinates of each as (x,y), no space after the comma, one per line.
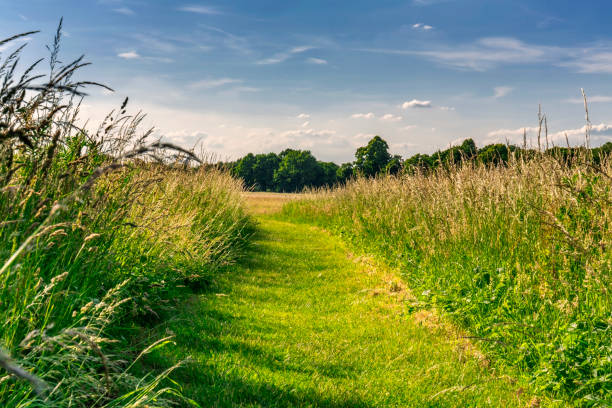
(267,203)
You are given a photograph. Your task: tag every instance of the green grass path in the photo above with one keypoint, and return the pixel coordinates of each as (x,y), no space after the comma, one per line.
(303,323)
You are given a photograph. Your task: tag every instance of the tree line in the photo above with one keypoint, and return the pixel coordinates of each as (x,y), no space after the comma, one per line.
(293,170)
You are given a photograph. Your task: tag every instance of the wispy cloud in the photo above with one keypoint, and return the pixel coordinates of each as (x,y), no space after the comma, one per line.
(129,55)
(230,40)
(447,108)
(197,9)
(284,56)
(491,52)
(155,43)
(317,61)
(593,61)
(368,115)
(124,10)
(501,91)
(428,2)
(591,99)
(415,103)
(303,116)
(214,83)
(484,53)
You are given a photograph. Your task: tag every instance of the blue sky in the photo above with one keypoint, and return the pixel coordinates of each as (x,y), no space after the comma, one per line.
(324,75)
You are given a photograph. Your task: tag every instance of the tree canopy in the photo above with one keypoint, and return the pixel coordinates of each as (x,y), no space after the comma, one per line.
(293,170)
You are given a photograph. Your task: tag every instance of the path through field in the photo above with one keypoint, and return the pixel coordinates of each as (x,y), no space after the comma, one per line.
(303,322)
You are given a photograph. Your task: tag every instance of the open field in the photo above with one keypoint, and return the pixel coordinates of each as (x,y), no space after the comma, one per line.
(260,203)
(304,322)
(134,273)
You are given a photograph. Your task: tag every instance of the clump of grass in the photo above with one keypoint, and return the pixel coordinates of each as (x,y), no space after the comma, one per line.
(517,253)
(97,230)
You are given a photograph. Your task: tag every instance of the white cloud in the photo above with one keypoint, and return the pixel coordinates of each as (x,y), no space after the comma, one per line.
(125,11)
(300,49)
(200,9)
(591,99)
(602,127)
(214,82)
(284,56)
(447,108)
(368,115)
(501,91)
(303,116)
(415,103)
(601,132)
(498,133)
(421,26)
(317,61)
(129,55)
(305,124)
(389,117)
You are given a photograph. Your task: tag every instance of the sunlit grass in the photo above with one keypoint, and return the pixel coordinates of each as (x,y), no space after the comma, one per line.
(303,322)
(519,255)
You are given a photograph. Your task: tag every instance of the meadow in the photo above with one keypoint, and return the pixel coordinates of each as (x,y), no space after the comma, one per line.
(518,255)
(133,275)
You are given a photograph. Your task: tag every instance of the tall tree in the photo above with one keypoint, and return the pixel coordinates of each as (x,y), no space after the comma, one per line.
(373,158)
(263,171)
(244,169)
(297,169)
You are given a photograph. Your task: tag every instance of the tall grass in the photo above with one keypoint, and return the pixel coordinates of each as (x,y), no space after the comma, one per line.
(98,231)
(518,254)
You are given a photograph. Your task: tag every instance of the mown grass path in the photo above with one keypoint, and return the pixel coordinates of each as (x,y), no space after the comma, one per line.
(301,322)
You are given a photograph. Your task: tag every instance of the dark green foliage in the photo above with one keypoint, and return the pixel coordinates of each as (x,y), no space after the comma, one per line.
(297,169)
(345,172)
(294,170)
(395,165)
(329,174)
(493,154)
(263,171)
(244,169)
(372,159)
